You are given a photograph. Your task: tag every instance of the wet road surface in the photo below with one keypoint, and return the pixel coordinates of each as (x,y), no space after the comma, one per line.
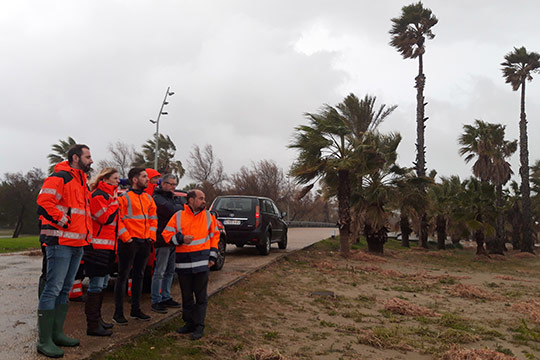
(19,275)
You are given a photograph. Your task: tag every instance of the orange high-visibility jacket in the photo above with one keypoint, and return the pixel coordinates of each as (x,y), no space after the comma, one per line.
(104,209)
(138,216)
(64,209)
(193,257)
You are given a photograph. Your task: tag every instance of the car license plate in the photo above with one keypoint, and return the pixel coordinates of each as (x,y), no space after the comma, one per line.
(231,222)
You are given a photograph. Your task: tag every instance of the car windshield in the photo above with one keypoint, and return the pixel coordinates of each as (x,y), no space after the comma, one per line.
(235,204)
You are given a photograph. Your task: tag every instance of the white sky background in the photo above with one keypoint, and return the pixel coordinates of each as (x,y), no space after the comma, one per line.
(245,71)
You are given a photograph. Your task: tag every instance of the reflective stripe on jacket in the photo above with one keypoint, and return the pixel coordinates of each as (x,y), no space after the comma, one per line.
(104,210)
(193,257)
(64,209)
(138,217)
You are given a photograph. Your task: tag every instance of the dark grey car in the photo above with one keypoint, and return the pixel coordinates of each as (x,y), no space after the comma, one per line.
(251,220)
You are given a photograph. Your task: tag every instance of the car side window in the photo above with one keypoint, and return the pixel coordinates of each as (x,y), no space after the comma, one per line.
(270,207)
(264,207)
(276,210)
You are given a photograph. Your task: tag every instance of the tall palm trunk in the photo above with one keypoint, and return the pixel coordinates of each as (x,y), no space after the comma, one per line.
(405,228)
(420,147)
(497,245)
(344,193)
(527,240)
(479,237)
(516,226)
(441,232)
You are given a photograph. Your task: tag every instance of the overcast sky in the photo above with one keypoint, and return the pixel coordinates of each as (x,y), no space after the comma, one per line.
(245,71)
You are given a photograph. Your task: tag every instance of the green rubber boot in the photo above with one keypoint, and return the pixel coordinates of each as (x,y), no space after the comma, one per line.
(58,335)
(45,345)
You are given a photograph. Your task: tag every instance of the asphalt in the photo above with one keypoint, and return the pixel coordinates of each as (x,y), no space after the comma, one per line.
(19,273)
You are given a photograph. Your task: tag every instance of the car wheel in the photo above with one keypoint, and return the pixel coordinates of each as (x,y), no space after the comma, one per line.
(283,243)
(264,248)
(220,260)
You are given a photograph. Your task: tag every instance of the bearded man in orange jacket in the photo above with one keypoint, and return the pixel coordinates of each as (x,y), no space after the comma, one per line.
(66,226)
(195,233)
(136,232)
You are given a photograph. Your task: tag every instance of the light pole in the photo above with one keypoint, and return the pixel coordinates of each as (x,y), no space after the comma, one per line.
(161,112)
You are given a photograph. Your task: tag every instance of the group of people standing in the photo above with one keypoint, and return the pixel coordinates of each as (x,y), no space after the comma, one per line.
(92,222)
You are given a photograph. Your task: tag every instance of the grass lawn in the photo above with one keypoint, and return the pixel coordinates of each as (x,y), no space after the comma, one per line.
(23,243)
(407,304)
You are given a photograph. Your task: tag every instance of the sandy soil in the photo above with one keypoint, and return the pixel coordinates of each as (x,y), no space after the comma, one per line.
(409,304)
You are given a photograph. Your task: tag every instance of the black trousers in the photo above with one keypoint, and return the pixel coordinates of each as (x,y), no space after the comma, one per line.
(134,254)
(194,310)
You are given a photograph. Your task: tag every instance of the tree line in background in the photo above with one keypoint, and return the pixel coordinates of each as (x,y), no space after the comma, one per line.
(343,150)
(18,191)
(353,165)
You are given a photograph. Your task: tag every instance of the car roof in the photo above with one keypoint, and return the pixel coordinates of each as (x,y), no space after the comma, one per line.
(244,196)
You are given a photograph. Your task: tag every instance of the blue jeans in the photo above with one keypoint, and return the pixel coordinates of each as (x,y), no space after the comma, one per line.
(98,283)
(163,274)
(62,265)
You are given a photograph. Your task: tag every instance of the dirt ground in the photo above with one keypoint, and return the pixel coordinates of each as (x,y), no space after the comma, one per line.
(18,299)
(407,304)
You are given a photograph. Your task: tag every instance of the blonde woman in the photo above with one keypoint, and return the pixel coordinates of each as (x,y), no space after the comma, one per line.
(100,255)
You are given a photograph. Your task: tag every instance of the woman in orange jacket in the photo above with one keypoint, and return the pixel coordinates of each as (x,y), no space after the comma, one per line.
(100,255)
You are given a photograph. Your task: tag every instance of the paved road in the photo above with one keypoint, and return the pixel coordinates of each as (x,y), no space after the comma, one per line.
(18,298)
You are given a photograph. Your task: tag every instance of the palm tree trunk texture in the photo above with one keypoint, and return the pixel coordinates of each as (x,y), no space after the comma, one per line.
(424,227)
(405,228)
(516,226)
(375,239)
(527,240)
(420,148)
(441,232)
(497,245)
(344,191)
(479,237)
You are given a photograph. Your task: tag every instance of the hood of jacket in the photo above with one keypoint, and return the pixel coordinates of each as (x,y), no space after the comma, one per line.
(76,173)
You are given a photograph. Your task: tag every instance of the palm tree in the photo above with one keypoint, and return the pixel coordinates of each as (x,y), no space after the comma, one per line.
(375,186)
(409,200)
(59,152)
(517,69)
(409,33)
(328,149)
(166,162)
(486,142)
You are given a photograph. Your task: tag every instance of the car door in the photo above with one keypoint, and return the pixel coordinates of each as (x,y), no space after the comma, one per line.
(280,224)
(274,219)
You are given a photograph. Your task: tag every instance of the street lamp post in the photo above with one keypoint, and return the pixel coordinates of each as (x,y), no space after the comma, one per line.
(161,112)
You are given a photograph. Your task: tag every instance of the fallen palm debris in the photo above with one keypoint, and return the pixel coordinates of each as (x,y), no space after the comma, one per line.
(475,354)
(266,354)
(325,265)
(524,255)
(403,307)
(507,277)
(531,308)
(369,337)
(364,256)
(472,292)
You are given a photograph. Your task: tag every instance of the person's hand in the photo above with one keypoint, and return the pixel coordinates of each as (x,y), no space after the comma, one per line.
(129,241)
(188,239)
(210,263)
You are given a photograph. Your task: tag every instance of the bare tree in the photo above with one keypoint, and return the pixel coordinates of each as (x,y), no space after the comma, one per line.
(264,178)
(122,157)
(204,167)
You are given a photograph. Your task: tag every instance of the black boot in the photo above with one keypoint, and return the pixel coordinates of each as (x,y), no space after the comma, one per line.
(91,310)
(103,323)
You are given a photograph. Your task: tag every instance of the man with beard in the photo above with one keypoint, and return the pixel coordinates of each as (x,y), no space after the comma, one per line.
(66,226)
(195,234)
(136,233)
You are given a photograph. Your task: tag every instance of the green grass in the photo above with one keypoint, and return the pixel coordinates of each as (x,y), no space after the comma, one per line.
(19,244)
